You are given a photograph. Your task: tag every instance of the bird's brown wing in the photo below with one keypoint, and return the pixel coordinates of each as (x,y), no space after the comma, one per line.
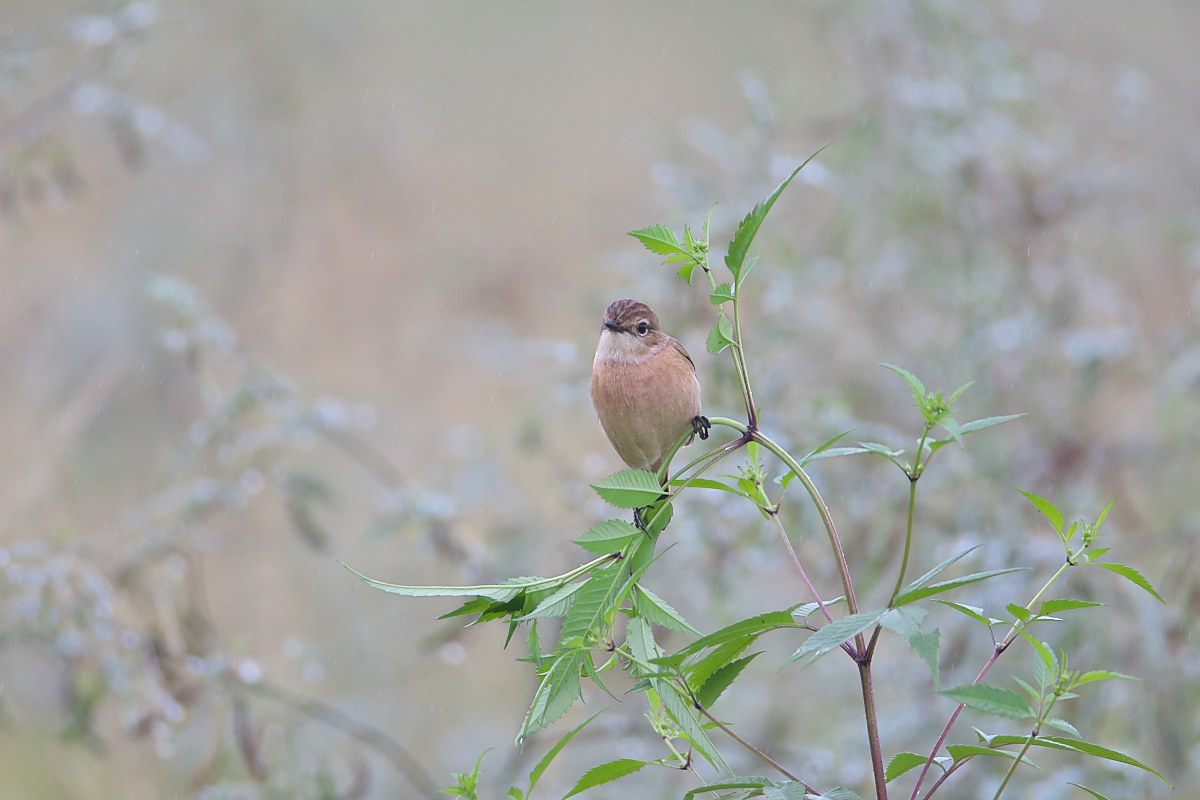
(683,352)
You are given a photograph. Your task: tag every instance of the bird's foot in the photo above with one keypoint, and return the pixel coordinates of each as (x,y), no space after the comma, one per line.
(701,426)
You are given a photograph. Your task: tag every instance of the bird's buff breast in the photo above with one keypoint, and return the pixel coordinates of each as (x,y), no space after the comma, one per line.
(644,404)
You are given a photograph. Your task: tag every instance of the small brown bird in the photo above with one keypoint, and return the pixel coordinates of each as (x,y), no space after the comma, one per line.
(644,386)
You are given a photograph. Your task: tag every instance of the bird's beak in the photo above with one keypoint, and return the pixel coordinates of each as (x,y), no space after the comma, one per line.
(613,325)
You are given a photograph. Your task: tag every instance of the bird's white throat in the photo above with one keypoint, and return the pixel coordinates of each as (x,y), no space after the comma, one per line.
(622,348)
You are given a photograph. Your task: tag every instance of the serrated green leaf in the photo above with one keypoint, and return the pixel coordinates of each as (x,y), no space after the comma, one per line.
(990,700)
(904,621)
(536,773)
(787,790)
(1099,752)
(661,240)
(722,294)
(749,782)
(1102,675)
(914,383)
(1133,576)
(986,422)
(721,680)
(940,568)
(960,751)
(1048,509)
(836,793)
(721,335)
(591,604)
(640,638)
(834,635)
(1020,612)
(555,604)
(750,628)
(748,228)
(926,645)
(902,763)
(973,612)
(706,483)
(905,598)
(631,488)
(659,611)
(1064,726)
(606,773)
(880,449)
(1048,660)
(557,692)
(699,669)
(679,710)
(501,592)
(608,537)
(1104,515)
(1057,606)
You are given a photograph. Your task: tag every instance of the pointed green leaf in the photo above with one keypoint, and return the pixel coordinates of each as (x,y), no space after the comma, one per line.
(940,568)
(608,537)
(1048,509)
(834,635)
(749,782)
(902,763)
(880,449)
(750,628)
(660,239)
(501,592)
(699,669)
(1133,576)
(748,228)
(631,488)
(1020,612)
(659,611)
(973,612)
(1092,792)
(536,773)
(557,692)
(1057,606)
(679,708)
(722,294)
(986,422)
(1064,726)
(721,335)
(991,700)
(721,680)
(836,793)
(1102,675)
(905,598)
(591,605)
(554,605)
(1100,752)
(960,751)
(706,483)
(606,773)
(918,388)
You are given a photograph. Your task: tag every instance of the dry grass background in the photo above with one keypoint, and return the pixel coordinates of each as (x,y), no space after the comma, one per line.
(420,208)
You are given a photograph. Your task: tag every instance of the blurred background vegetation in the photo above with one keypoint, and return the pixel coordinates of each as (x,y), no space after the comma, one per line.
(293,282)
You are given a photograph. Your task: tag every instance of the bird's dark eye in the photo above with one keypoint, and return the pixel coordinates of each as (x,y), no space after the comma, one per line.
(643,328)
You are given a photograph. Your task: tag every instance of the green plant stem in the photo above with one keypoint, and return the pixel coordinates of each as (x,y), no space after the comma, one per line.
(860,646)
(908,538)
(739,358)
(1013,633)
